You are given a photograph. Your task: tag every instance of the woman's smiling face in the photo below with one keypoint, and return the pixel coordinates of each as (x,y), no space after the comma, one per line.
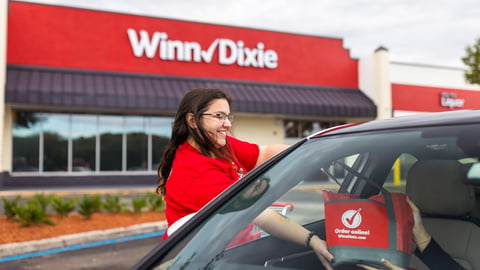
(217,128)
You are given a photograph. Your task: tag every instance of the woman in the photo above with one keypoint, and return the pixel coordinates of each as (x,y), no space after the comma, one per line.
(202,160)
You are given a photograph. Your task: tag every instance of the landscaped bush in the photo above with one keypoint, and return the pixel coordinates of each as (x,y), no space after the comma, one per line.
(44,201)
(154,201)
(112,204)
(64,206)
(89,205)
(36,210)
(9,206)
(32,213)
(138,203)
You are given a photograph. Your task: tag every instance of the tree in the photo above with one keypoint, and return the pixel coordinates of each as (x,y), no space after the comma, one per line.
(472,60)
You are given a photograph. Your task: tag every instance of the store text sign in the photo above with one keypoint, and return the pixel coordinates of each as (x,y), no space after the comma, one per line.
(228,51)
(432,99)
(450,100)
(84,39)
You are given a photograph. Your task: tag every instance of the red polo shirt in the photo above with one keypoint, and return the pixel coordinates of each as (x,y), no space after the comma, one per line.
(196,179)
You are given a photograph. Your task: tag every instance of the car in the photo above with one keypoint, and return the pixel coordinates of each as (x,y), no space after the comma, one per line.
(432,157)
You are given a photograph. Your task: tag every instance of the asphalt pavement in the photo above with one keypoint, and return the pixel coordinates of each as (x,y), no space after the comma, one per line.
(30,248)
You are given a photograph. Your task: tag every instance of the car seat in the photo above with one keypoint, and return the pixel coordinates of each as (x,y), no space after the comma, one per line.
(446,203)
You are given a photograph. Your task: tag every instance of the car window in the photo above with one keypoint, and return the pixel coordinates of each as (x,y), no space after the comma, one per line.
(474,171)
(292,185)
(397,177)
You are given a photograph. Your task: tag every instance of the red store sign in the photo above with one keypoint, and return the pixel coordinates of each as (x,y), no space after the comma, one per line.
(228,51)
(432,99)
(64,37)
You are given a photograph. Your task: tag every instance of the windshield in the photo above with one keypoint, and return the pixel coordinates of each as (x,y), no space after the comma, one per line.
(293,187)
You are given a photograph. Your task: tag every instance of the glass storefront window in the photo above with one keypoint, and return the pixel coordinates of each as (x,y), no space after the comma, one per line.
(111,143)
(26,137)
(55,129)
(88,143)
(161,128)
(83,134)
(137,143)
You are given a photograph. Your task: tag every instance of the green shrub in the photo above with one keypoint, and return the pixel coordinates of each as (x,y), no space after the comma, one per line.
(154,201)
(44,201)
(112,204)
(89,205)
(63,206)
(138,203)
(9,206)
(32,213)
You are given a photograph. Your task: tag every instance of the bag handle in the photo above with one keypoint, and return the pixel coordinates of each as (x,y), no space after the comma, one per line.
(361,176)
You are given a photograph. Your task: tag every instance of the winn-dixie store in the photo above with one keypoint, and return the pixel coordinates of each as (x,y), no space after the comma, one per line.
(90,95)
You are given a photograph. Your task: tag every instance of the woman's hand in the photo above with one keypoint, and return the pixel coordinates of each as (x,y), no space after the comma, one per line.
(319,246)
(385,262)
(420,235)
(417,218)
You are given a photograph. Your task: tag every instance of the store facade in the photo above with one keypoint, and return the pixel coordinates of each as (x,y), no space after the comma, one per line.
(90,95)
(400,89)
(438,89)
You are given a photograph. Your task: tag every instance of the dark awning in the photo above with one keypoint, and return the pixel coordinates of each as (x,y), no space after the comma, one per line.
(79,90)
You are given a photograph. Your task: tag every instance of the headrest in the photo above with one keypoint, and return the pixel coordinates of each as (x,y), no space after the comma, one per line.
(437,188)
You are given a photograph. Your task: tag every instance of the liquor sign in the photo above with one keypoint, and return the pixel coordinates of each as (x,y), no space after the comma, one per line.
(451,101)
(418,98)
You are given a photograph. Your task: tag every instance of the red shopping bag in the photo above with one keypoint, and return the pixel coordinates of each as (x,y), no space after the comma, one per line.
(367,230)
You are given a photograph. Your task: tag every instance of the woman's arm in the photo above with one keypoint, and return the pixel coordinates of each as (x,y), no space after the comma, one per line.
(428,250)
(268,151)
(281,227)
(436,258)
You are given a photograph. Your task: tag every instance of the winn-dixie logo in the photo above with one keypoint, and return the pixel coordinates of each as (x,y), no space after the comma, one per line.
(229,51)
(351,219)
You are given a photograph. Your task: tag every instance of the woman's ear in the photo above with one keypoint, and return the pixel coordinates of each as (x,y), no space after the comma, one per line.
(190,118)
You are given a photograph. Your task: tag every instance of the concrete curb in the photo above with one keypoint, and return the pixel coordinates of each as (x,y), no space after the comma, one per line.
(13,249)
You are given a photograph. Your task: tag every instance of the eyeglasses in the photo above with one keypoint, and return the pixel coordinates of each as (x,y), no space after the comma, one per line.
(221,116)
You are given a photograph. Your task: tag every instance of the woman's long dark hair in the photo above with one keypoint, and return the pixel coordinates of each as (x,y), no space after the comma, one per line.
(196,102)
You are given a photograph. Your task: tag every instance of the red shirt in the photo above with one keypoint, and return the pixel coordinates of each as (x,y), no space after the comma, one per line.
(196,179)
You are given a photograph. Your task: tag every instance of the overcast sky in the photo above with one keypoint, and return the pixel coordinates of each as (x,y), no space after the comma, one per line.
(432,32)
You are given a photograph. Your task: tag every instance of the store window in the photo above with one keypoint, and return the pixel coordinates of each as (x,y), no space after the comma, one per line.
(300,128)
(44,142)
(55,130)
(161,128)
(26,137)
(83,133)
(111,145)
(137,143)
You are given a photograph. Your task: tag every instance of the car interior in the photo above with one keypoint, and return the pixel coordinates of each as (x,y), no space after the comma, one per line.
(439,189)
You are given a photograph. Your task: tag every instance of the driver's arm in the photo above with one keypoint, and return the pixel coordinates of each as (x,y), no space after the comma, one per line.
(281,227)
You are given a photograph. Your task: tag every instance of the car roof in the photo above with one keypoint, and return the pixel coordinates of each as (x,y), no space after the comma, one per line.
(410,121)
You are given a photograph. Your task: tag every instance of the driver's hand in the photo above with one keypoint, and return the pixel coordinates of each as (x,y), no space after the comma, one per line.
(319,246)
(385,262)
